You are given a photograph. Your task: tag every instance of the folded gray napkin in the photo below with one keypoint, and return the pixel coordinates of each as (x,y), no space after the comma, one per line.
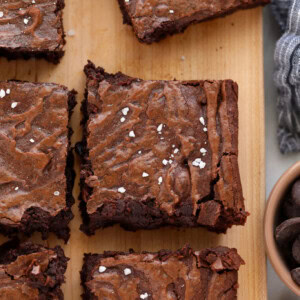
(280,10)
(287,74)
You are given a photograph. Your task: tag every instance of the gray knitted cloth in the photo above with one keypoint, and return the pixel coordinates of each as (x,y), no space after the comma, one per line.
(287,74)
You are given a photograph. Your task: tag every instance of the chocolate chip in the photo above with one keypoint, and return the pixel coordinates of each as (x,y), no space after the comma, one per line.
(291,205)
(296,275)
(296,192)
(287,231)
(296,249)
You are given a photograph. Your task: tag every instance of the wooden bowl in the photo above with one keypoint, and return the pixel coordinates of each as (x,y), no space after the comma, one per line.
(271,221)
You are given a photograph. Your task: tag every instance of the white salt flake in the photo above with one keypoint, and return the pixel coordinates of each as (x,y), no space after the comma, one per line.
(170,161)
(14,104)
(2,93)
(145,174)
(71,32)
(176,150)
(127,1)
(199,163)
(32,140)
(16,188)
(56,193)
(160,180)
(125,111)
(140,152)
(8,91)
(159,127)
(121,190)
(26,21)
(204,129)
(162,138)
(172,155)
(203,150)
(122,120)
(202,165)
(173,146)
(202,121)
(33,1)
(196,162)
(127,271)
(35,270)
(1,14)
(102,269)
(171,11)
(131,133)
(165,162)
(144,296)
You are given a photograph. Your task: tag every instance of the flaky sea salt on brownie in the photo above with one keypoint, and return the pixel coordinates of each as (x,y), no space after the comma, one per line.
(32,28)
(36,175)
(185,274)
(159,153)
(31,272)
(152,20)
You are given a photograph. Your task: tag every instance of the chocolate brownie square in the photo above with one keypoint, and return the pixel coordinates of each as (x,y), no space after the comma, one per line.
(32,28)
(152,20)
(29,271)
(158,153)
(36,163)
(184,274)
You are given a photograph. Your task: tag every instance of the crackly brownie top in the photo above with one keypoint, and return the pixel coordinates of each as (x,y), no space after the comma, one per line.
(170,141)
(35,25)
(29,271)
(206,274)
(15,277)
(33,148)
(148,15)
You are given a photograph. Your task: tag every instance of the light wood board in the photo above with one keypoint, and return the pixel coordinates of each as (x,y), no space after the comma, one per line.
(230,47)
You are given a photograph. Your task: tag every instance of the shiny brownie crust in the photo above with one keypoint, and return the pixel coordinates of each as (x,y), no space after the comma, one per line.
(43,33)
(206,274)
(198,182)
(153,20)
(37,217)
(31,271)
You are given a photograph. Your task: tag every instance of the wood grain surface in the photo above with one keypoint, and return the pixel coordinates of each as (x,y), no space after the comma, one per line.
(230,47)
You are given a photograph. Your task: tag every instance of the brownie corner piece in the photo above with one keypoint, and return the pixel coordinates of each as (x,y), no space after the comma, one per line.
(31,271)
(157,153)
(36,160)
(32,29)
(154,20)
(207,274)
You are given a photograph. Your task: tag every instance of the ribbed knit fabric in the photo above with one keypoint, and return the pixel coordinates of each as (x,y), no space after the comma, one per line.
(287,74)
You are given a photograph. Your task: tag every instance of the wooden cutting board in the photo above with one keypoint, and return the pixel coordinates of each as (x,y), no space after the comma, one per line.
(230,47)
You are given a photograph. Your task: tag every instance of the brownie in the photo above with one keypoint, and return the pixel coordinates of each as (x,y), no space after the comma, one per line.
(158,153)
(36,162)
(184,274)
(32,28)
(152,20)
(29,271)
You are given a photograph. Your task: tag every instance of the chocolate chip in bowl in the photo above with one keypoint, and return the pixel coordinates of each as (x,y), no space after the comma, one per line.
(287,234)
(282,228)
